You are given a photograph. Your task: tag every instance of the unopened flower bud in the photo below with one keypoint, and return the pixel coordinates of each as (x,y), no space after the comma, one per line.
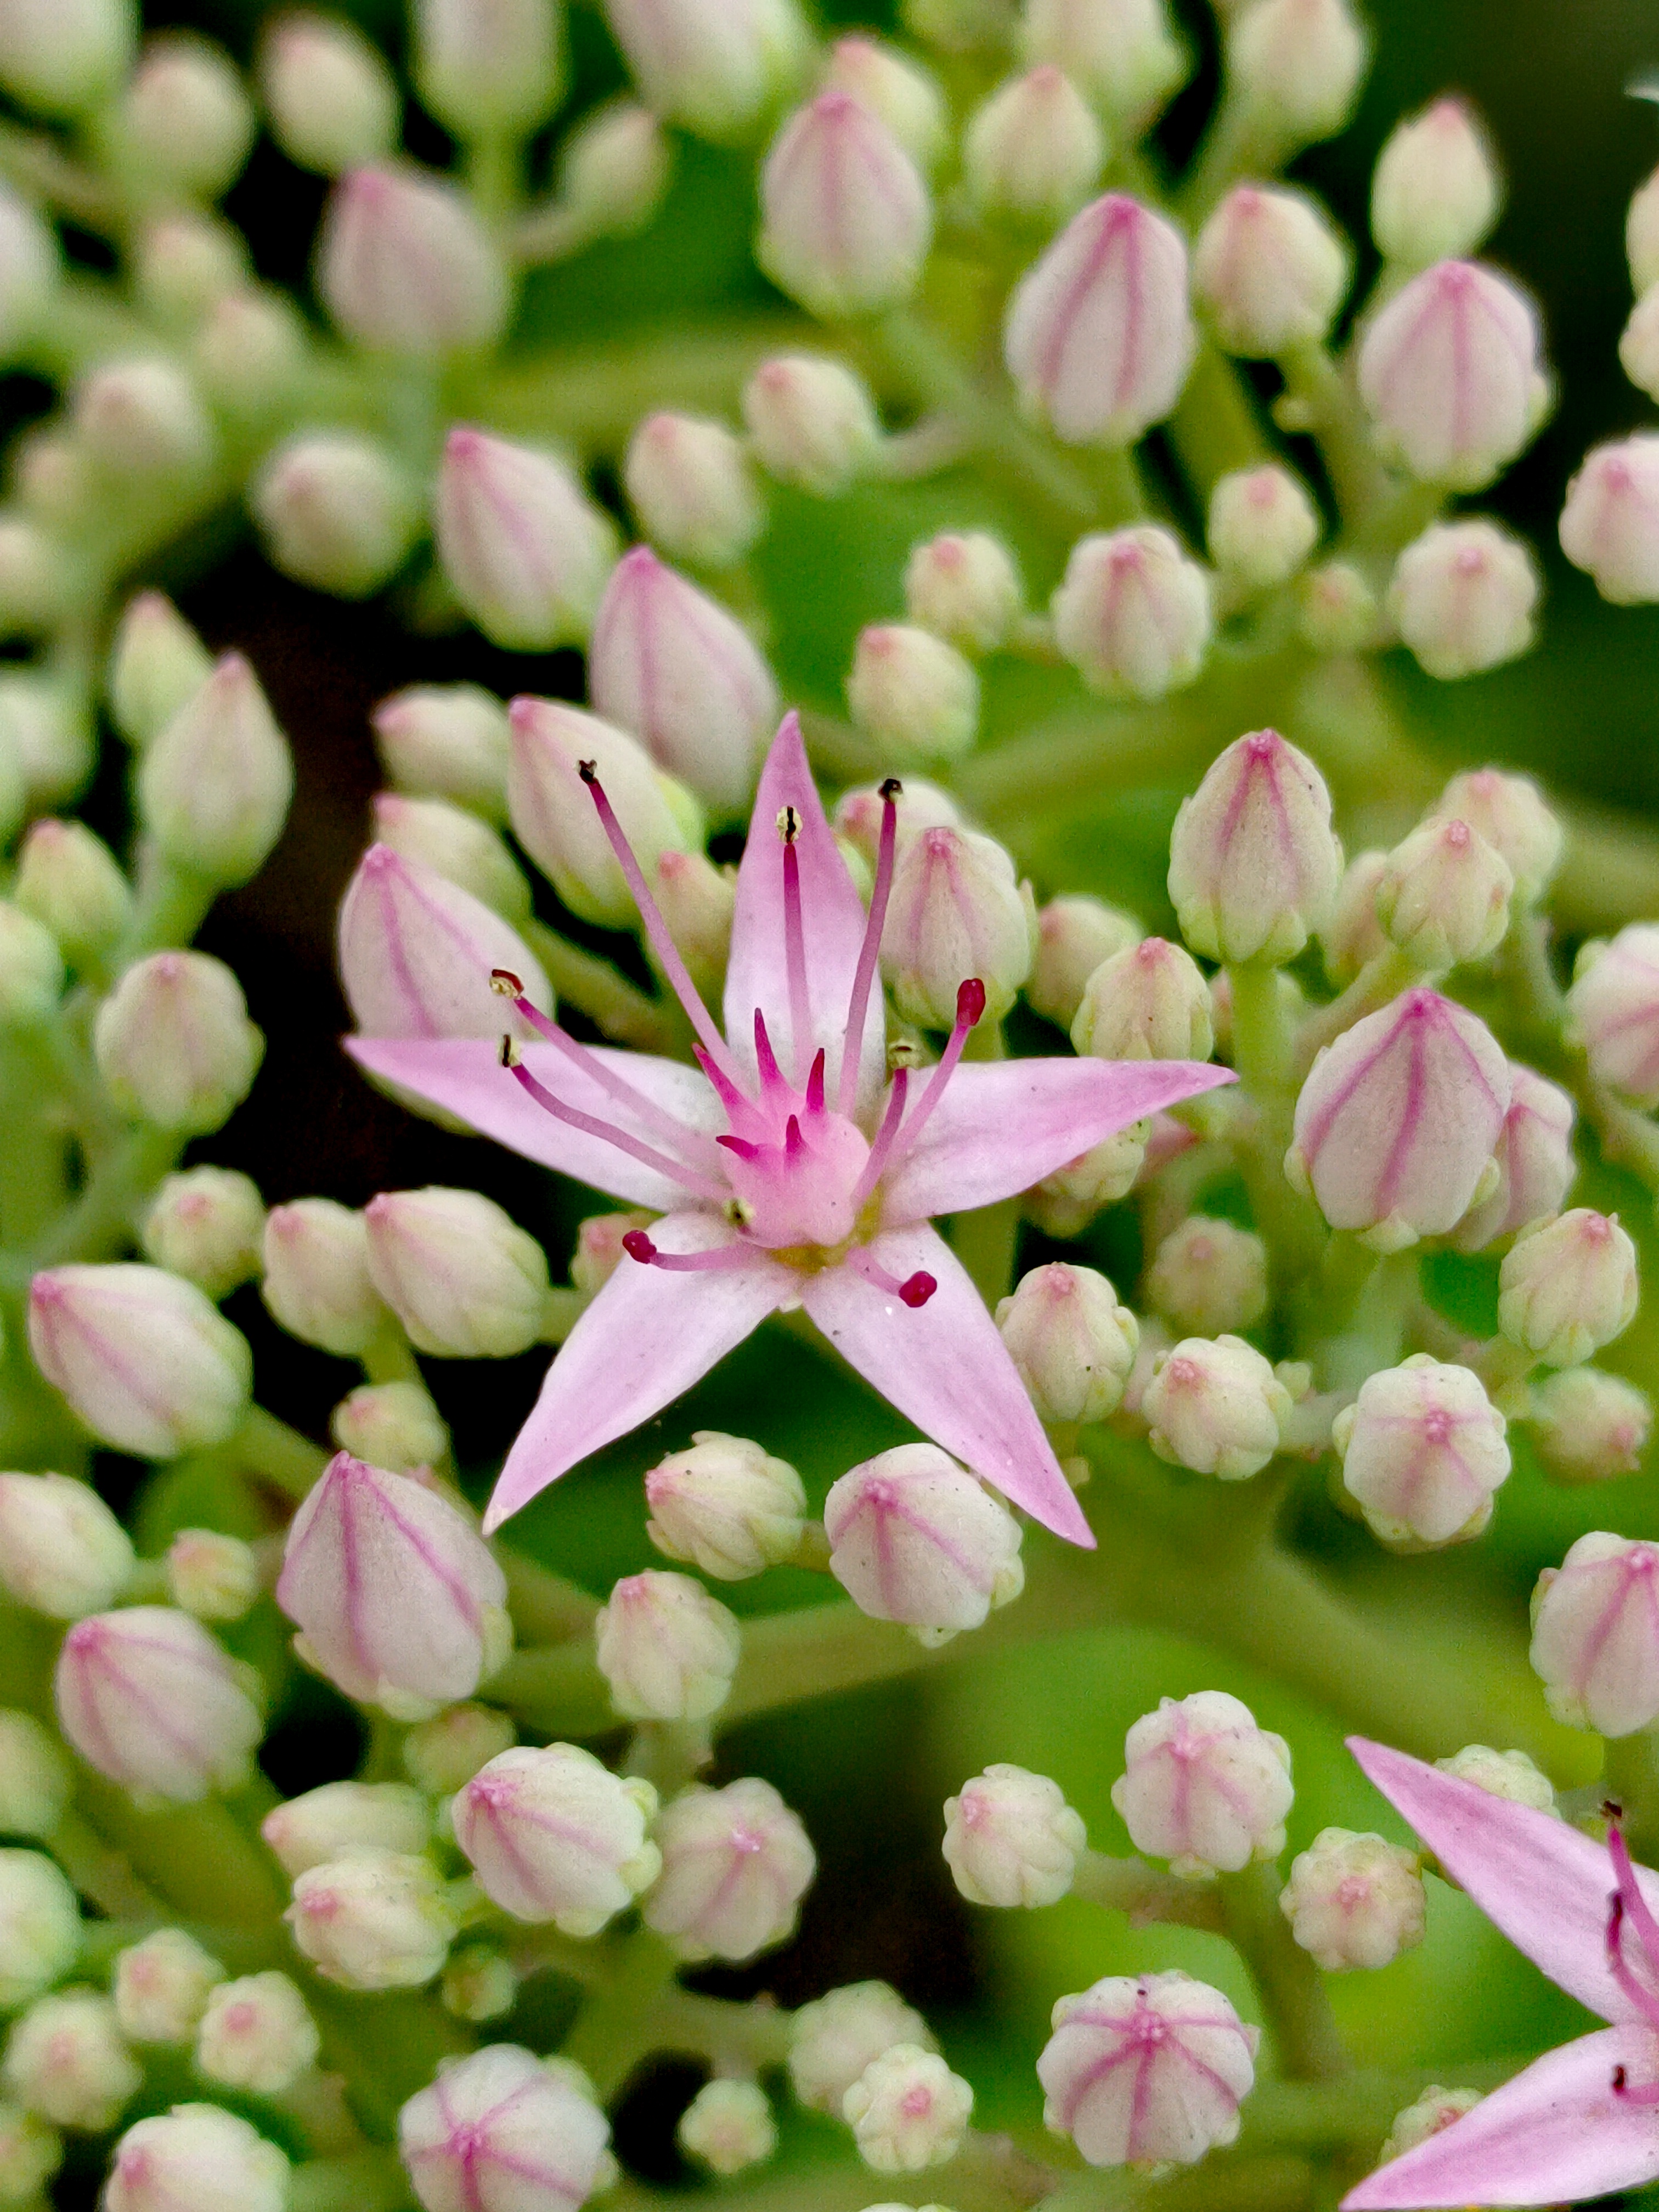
(331,98)
(1204,1787)
(914,1538)
(199,2157)
(405,266)
(724,1505)
(69,879)
(500,2129)
(453,842)
(34,1776)
(317,1283)
(183,125)
(1354,1901)
(1064,1203)
(1509,813)
(728,2126)
(1297,66)
(251,356)
(554,816)
(142,1357)
(956,914)
(834,2037)
(1271,271)
(1536,1163)
(524,549)
(709,67)
(1595,1635)
(1353,934)
(1216,1405)
(1098,335)
(118,1670)
(1444,896)
(1396,1122)
(1262,525)
(31,969)
(1435,190)
(486,69)
(173,1044)
(257,2034)
(39,1926)
(30,267)
(1588,1426)
(141,420)
(30,2154)
(812,422)
(391,1424)
(416,953)
(65,62)
(1075,936)
(66,2060)
(1461,598)
(441,1755)
(1034,150)
(913,695)
(157,663)
(667,1648)
(1450,373)
(1511,1775)
(35,579)
(964,588)
(1133,613)
(1012,1839)
(1614,1006)
(373,1919)
(918,804)
(446,741)
(599,1249)
(322,1824)
(691,488)
(1568,1286)
(62,1552)
(215,783)
(185,265)
(162,1986)
(1337,608)
(1147,1002)
(902,95)
(214,1576)
(1208,1276)
(698,900)
(845,218)
(337,512)
(613,169)
(907,2110)
(1254,861)
(1072,1344)
(1190,2063)
(419,1619)
(1422,1450)
(1435,2110)
(478,1984)
(1610,524)
(465,1281)
(553,1835)
(674,667)
(1642,236)
(735,1864)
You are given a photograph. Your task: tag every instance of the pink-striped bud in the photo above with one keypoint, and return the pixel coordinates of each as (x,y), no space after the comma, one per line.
(406,267)
(215,783)
(914,697)
(455,844)
(1216,1405)
(1595,1635)
(65,2062)
(904,96)
(416,954)
(1099,335)
(1075,935)
(1422,1450)
(667,1648)
(1296,66)
(1122,54)
(1449,372)
(845,218)
(1588,1426)
(309,1830)
(206,1224)
(1610,524)
(488,66)
(1209,1276)
(447,741)
(317,1283)
(1072,1344)
(1568,1286)
(397,1598)
(1133,613)
(914,1538)
(735,1865)
(1436,190)
(691,486)
(1012,1839)
(812,422)
(1354,1901)
(1140,2071)
(907,2110)
(374,1919)
(257,2034)
(553,1835)
(1396,1123)
(1462,596)
(724,1505)
(331,98)
(465,1281)
(524,550)
(1444,896)
(1614,1006)
(62,1552)
(1203,1786)
(160,1986)
(1271,271)
(683,675)
(1254,861)
(956,915)
(710,66)
(173,1044)
(503,2131)
(143,1358)
(117,1671)
(1147,1002)
(554,816)
(1033,151)
(1509,813)
(197,2157)
(963,586)
(336,512)
(1535,1163)
(834,2038)
(1261,526)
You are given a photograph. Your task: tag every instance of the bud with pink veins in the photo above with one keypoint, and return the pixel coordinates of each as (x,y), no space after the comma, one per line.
(416,954)
(689,483)
(406,267)
(834,2038)
(1133,614)
(1271,271)
(1099,335)
(1450,374)
(147,1696)
(735,1865)
(446,741)
(667,1648)
(465,1281)
(62,1552)
(1012,1839)
(1396,1123)
(1209,1275)
(1536,1163)
(206,1224)
(1141,2070)
(66,2060)
(1595,1635)
(144,1358)
(553,814)
(915,1538)
(1568,1286)
(896,90)
(1443,896)
(726,1505)
(173,1044)
(1034,150)
(257,2034)
(1588,1426)
(197,2157)
(525,551)
(309,1830)
(1148,1002)
(1509,813)
(1121,54)
(674,667)
(215,783)
(956,919)
(846,221)
(1612,1006)
(1262,527)
(1254,861)
(812,422)
(1216,1405)
(1610,523)
(374,1919)
(964,587)
(1436,190)
(710,67)
(915,697)
(39,1926)
(552,1835)
(907,2110)
(1075,935)
(455,844)
(1422,1450)
(1070,1342)
(1204,1787)
(317,1283)
(1354,1901)
(1295,67)
(1463,597)
(336,511)
(162,1986)
(502,2130)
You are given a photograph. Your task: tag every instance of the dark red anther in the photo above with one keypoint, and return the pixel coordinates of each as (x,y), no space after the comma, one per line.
(970,1002)
(638,1246)
(505,983)
(506,1056)
(918,1288)
(891,788)
(588,770)
(1619,2080)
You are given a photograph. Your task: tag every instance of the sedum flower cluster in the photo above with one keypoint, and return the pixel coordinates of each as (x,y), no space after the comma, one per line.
(1282,1217)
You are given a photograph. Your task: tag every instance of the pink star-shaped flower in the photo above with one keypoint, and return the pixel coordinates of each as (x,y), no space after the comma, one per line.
(1582,2121)
(791,1171)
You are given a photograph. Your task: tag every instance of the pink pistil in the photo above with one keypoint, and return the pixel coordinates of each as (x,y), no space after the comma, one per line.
(886,1136)
(794,945)
(638,1246)
(870,951)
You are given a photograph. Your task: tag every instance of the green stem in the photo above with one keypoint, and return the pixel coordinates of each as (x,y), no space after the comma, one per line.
(101,1223)
(101,1873)
(620,1009)
(615,2028)
(1383,976)
(372,2181)
(1224,2183)
(1354,2112)
(266,1446)
(546,1608)
(1147,1892)
(172,905)
(1292,1993)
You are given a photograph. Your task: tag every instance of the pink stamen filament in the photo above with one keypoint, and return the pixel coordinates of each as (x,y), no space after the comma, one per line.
(773,1084)
(885,1136)
(870,951)
(795,952)
(616,1087)
(638,1246)
(1627,1901)
(676,1170)
(914,1291)
(970,1005)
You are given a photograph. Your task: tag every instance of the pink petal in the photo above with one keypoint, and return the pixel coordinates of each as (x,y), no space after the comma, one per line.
(649,1335)
(833,917)
(945,1368)
(1542,1883)
(466,1077)
(1555,2134)
(1003,1125)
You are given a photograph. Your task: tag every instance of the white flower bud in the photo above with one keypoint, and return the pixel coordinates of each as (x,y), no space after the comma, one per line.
(1075,936)
(69,879)
(331,100)
(1190,2066)
(1509,813)
(310,1829)
(31,969)
(1588,1426)
(66,2060)
(1511,1775)
(162,1985)
(416,953)
(443,1754)
(845,218)
(554,816)
(812,422)
(317,1283)
(907,2110)
(215,783)
(478,1984)
(1353,934)
(31,2152)
(455,844)
(336,511)
(1595,1635)
(526,552)
(613,169)
(1071,1343)
(735,1864)
(698,902)
(1638,346)
(1297,66)
(1098,335)
(1064,1204)
(1216,1405)
(1262,527)
(1122,54)
(1422,1450)
(183,125)
(724,1505)
(1132,614)
(691,488)
(964,588)
(116,1671)
(141,421)
(502,2130)
(173,1044)
(1450,373)
(915,1538)
(1444,896)
(35,1781)
(214,1577)
(1208,1276)
(406,267)
(1462,596)
(446,741)
(373,1919)
(197,2157)
(667,1648)
(185,264)
(913,695)
(956,914)
(552,1835)
(1147,1002)
(1436,2108)
(1436,190)
(1610,524)
(391,1424)
(257,2034)
(465,1281)
(39,1926)
(1204,1787)
(1271,271)
(728,2126)
(902,95)
(834,2037)
(1033,150)
(1568,1286)
(252,355)
(143,1358)
(157,663)
(1536,1163)
(1613,1007)
(62,1552)
(708,66)
(1254,861)
(64,62)
(30,267)
(1010,1839)
(47,736)
(1354,1901)
(483,68)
